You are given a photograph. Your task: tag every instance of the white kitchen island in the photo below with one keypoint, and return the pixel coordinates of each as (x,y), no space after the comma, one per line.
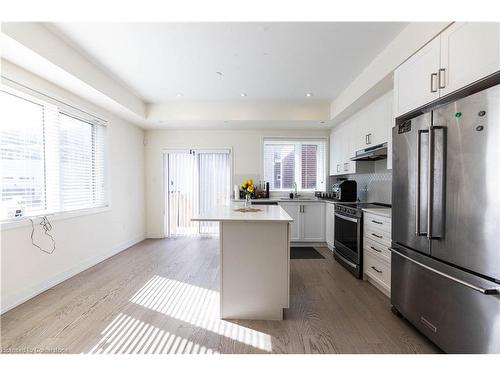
(254,261)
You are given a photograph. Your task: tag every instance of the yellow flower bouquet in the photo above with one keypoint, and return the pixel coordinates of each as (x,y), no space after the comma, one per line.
(248,188)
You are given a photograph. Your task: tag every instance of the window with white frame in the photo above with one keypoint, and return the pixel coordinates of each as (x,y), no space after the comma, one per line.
(294,160)
(52,157)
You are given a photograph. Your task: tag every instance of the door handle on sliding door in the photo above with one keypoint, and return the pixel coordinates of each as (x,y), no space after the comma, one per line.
(417,192)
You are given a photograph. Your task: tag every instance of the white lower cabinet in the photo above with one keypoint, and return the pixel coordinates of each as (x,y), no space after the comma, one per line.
(293,210)
(308,220)
(330,224)
(376,253)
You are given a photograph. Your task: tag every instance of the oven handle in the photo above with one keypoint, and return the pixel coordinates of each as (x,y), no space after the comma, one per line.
(345,260)
(488,291)
(346,218)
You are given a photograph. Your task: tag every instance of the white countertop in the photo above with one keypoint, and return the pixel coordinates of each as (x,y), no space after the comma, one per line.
(280,199)
(227,213)
(385,211)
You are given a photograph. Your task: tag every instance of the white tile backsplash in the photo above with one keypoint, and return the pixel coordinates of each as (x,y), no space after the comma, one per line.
(372,187)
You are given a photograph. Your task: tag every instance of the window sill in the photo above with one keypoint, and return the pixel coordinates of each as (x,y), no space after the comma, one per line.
(24,221)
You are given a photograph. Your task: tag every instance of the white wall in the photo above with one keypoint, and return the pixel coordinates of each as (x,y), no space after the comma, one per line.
(376,78)
(247,159)
(84,240)
(38,38)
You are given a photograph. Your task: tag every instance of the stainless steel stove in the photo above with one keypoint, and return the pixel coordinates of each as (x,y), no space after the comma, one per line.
(356,209)
(348,249)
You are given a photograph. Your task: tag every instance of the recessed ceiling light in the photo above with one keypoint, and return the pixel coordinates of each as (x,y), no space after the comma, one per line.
(309,94)
(179,94)
(243,94)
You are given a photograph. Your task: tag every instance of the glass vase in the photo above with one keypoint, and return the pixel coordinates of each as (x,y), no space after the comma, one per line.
(248,202)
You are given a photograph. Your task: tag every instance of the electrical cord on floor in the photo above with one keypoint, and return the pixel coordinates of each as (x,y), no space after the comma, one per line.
(47,227)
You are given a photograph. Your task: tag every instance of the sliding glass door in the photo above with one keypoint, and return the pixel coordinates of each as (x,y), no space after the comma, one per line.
(196,181)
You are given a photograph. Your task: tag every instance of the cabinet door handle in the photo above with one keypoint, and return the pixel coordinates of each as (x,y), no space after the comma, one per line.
(338,167)
(371,247)
(376,270)
(377,222)
(433,78)
(368,138)
(442,78)
(376,235)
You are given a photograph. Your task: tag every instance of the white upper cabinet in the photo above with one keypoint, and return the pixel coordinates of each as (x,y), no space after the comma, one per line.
(368,127)
(416,81)
(469,51)
(462,54)
(338,151)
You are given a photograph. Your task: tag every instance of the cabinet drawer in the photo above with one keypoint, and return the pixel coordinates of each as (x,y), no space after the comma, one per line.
(376,249)
(382,222)
(374,234)
(377,269)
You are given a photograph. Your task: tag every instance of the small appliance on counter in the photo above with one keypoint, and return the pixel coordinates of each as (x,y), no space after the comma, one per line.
(345,191)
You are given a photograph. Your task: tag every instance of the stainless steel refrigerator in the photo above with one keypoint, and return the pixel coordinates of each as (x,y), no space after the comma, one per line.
(445,262)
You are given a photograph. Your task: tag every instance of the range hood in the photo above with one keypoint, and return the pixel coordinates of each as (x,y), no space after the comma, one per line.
(376,152)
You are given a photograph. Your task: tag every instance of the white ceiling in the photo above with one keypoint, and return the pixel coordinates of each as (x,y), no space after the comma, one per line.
(157,61)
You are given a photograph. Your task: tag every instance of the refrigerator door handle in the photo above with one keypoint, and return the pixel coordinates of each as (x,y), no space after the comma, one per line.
(417,195)
(488,291)
(430,180)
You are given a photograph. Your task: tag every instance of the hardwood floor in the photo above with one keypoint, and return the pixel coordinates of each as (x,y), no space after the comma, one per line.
(161,296)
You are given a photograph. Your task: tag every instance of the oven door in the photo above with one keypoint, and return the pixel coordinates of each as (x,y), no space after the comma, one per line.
(348,237)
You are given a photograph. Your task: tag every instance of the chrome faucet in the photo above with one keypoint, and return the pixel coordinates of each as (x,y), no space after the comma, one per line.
(295,189)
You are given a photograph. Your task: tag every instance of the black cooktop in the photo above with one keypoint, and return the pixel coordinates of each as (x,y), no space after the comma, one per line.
(355,209)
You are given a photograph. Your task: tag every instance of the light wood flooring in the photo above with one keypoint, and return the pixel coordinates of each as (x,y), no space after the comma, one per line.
(161,296)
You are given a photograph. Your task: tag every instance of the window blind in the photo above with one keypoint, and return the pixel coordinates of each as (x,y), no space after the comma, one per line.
(52,160)
(302,161)
(22,153)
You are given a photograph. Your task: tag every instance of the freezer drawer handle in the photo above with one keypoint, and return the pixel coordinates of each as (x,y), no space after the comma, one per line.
(465,283)
(377,222)
(376,235)
(375,269)
(373,248)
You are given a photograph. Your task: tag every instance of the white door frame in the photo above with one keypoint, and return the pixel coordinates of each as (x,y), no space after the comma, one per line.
(164,154)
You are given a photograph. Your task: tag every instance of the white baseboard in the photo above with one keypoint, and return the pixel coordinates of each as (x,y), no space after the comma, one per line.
(308,244)
(13,300)
(378,285)
(154,235)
